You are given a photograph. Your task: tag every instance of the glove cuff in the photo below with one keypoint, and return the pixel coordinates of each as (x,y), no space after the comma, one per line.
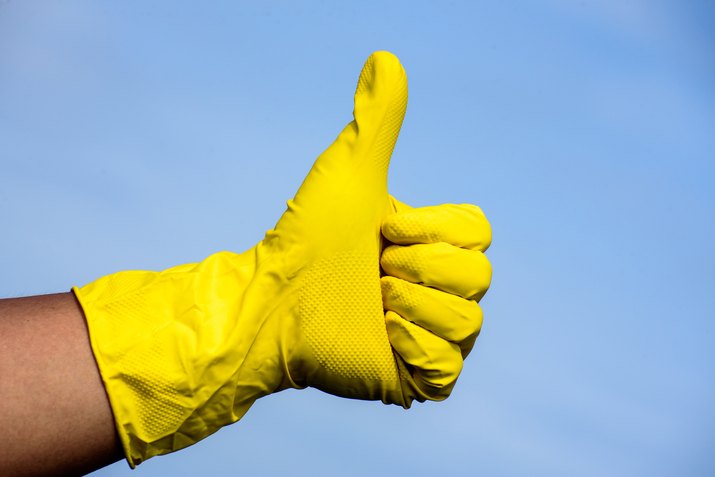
(167,348)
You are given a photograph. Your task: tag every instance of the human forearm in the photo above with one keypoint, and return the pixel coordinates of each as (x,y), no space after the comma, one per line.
(54,413)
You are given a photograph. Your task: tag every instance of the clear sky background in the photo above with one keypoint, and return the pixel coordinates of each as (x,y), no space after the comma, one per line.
(147,134)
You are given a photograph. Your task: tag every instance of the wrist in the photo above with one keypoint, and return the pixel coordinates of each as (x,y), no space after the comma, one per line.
(169,346)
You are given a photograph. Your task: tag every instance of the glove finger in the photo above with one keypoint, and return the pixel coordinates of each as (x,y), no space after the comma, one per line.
(380,103)
(436,363)
(352,172)
(466,273)
(462,225)
(448,316)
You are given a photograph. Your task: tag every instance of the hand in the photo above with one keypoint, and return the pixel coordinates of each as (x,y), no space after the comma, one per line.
(436,272)
(188,350)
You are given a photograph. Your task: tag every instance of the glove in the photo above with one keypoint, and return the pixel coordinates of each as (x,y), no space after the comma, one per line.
(188,350)
(436,273)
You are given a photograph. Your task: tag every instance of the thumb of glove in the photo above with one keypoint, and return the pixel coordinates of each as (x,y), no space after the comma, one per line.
(349,179)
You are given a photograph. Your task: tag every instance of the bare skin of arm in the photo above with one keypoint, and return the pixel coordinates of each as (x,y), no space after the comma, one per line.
(55,417)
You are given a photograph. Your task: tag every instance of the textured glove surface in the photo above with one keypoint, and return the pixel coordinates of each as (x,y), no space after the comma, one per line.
(186,351)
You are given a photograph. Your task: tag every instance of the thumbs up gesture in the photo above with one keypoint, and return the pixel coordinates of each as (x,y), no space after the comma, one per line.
(352,292)
(345,343)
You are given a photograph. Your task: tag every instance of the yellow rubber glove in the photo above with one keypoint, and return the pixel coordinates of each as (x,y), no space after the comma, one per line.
(188,350)
(436,273)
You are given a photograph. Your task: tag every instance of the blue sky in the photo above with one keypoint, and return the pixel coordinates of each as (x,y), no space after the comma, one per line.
(143,135)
